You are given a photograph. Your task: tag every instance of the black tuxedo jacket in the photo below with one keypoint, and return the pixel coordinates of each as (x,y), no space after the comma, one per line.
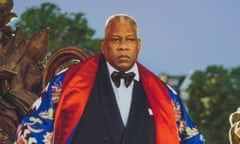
(101,122)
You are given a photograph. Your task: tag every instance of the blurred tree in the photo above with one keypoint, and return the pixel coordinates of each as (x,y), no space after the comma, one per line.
(66,29)
(214,94)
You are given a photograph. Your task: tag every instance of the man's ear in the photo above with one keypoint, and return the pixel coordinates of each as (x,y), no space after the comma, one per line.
(139,45)
(103,43)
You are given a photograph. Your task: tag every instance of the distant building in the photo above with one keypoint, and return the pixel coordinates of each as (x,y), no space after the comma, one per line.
(184,86)
(174,81)
(179,83)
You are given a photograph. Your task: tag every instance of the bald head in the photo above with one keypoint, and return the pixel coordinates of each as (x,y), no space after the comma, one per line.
(120,17)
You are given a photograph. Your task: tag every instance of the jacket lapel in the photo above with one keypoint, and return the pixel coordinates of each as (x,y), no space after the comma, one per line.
(110,107)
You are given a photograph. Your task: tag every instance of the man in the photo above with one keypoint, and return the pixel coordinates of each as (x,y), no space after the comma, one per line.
(110,98)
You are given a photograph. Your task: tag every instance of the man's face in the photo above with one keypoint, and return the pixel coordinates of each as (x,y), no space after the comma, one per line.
(121,45)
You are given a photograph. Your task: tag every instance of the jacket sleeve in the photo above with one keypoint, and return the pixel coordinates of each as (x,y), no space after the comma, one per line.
(188,131)
(37,125)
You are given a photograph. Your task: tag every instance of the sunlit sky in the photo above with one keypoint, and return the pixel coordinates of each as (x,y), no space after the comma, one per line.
(178,36)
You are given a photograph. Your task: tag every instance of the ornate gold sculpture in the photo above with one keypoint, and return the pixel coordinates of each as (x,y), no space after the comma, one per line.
(20,68)
(234,131)
(22,75)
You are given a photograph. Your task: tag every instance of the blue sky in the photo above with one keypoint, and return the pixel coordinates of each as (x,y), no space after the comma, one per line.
(178,36)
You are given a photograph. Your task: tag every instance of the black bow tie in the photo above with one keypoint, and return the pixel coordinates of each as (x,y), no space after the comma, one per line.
(117,76)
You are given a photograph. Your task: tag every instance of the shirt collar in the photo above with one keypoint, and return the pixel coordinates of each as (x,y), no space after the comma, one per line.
(134,69)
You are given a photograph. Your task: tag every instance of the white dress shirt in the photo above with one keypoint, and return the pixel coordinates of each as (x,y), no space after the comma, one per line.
(124,94)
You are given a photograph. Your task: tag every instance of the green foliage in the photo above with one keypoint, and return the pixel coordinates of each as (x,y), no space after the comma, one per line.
(214,94)
(66,29)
